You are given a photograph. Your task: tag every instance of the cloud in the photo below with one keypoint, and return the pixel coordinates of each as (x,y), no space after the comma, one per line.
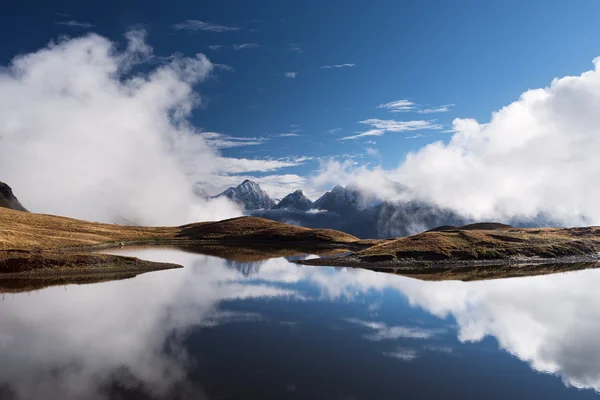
(386,332)
(399,106)
(243,46)
(75,24)
(215,46)
(418,135)
(372,152)
(224,67)
(291,75)
(221,141)
(380,127)
(405,105)
(440,109)
(292,134)
(294,48)
(195,25)
(332,131)
(337,66)
(242,165)
(82,137)
(403,354)
(538,154)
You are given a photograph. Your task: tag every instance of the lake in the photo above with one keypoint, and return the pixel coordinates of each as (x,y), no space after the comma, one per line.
(220,329)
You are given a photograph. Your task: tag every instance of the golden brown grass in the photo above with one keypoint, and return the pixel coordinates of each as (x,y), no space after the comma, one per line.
(261,230)
(488,245)
(21,230)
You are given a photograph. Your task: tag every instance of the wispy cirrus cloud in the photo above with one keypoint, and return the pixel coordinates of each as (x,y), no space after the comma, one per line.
(75,24)
(236,47)
(347,65)
(242,165)
(291,75)
(383,331)
(193,25)
(221,141)
(243,46)
(291,134)
(440,109)
(406,105)
(294,48)
(381,126)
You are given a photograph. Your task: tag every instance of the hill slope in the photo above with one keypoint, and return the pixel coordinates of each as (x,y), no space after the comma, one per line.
(8,199)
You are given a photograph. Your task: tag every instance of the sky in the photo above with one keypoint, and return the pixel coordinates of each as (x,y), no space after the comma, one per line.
(304,94)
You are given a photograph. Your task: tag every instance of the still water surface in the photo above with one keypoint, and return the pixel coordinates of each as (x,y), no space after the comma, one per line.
(219,329)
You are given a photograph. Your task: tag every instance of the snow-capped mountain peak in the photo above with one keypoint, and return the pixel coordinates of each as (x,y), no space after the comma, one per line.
(250,195)
(296,200)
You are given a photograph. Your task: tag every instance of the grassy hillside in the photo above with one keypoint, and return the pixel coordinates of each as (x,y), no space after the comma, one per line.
(496,252)
(489,244)
(50,250)
(259,230)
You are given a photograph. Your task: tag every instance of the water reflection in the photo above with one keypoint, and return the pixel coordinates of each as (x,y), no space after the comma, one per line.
(288,331)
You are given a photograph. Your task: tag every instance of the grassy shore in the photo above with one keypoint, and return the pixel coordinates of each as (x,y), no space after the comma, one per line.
(478,254)
(44,246)
(37,250)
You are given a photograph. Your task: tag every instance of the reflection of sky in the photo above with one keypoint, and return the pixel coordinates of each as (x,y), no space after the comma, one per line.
(328,329)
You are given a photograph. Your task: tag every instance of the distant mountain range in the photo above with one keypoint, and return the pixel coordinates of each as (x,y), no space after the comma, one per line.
(343,208)
(349,210)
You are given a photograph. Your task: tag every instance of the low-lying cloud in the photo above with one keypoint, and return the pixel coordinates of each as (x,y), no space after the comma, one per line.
(537,155)
(87,134)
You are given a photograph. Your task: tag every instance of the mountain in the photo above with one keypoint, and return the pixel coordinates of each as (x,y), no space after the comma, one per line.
(250,195)
(201,193)
(8,199)
(362,215)
(340,200)
(296,201)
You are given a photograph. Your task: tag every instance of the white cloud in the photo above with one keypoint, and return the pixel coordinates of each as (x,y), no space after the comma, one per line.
(291,134)
(75,24)
(83,138)
(291,75)
(221,141)
(538,154)
(334,130)
(405,105)
(215,46)
(380,127)
(386,332)
(418,135)
(338,66)
(242,165)
(224,67)
(244,46)
(403,354)
(399,106)
(294,48)
(195,25)
(372,152)
(440,109)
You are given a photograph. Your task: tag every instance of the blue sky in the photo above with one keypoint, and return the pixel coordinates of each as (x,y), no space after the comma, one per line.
(465,58)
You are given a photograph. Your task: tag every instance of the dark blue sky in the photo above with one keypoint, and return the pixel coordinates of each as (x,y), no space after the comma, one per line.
(477,56)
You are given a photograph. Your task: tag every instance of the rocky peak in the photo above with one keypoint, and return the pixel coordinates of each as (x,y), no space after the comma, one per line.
(250,195)
(8,199)
(296,200)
